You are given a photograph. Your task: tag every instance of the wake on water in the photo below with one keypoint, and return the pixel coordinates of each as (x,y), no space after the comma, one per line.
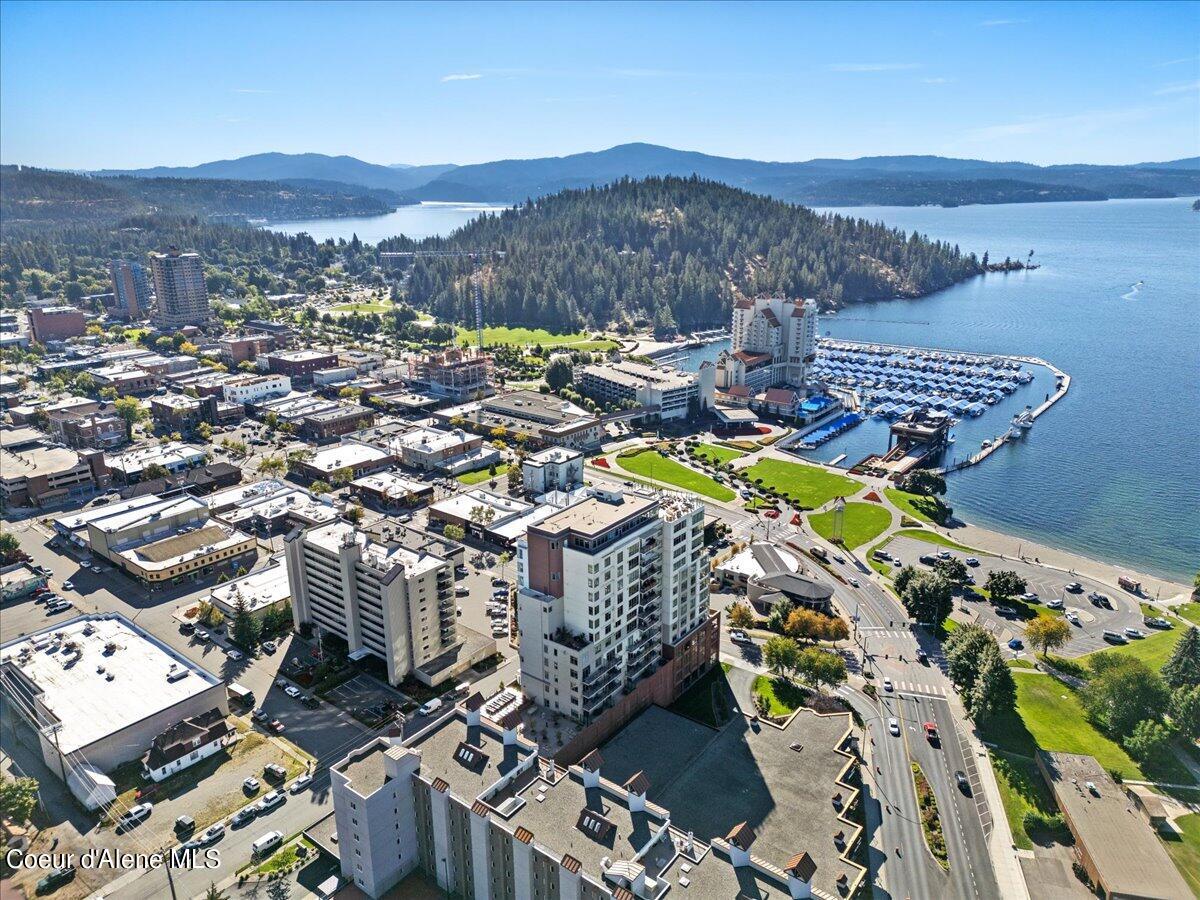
(1134,290)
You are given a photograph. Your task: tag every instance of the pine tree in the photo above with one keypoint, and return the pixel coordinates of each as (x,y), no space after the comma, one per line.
(246,629)
(994,692)
(1183,668)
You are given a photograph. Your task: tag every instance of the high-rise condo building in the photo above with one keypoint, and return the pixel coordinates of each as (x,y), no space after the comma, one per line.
(181,297)
(608,586)
(382,598)
(774,342)
(131,288)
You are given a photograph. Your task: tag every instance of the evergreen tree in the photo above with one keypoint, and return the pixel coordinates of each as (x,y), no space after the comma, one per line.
(995,691)
(1183,668)
(928,598)
(245,628)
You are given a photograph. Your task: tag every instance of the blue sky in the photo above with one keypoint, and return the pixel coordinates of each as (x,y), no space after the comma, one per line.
(123,85)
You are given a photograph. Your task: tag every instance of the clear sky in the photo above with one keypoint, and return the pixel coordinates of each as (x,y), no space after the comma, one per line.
(97,85)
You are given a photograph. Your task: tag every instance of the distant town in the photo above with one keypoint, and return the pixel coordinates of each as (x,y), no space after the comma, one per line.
(312,609)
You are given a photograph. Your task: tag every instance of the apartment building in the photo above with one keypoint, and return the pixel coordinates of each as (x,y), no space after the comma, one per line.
(181,297)
(457,374)
(298,365)
(604,585)
(56,323)
(382,598)
(130,288)
(774,342)
(664,390)
(256,388)
(552,469)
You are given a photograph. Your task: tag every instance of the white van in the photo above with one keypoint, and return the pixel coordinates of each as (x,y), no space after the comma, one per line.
(266,843)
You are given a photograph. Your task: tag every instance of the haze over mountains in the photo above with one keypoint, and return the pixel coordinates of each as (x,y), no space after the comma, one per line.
(899,180)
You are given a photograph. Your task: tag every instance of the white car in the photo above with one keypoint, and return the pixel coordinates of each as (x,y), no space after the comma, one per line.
(270,800)
(1029,597)
(943,554)
(136,813)
(1135,632)
(233,654)
(1072,617)
(971,561)
(1054,604)
(300,783)
(428,709)
(68,586)
(887,685)
(292,691)
(251,784)
(739,637)
(894,726)
(854,582)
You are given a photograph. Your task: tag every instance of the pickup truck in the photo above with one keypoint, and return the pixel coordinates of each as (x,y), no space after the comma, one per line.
(931,733)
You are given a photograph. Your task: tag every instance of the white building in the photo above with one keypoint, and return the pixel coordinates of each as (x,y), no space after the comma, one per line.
(256,388)
(774,341)
(186,743)
(383,599)
(604,584)
(672,393)
(553,469)
(173,456)
(454,451)
(263,589)
(97,690)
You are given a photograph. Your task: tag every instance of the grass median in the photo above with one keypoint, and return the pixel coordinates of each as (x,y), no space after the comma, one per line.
(862,522)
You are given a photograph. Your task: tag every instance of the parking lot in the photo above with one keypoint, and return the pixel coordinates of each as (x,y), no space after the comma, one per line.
(1047,584)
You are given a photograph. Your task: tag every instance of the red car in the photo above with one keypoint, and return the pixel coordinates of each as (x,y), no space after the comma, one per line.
(772,514)
(931,733)
(276,726)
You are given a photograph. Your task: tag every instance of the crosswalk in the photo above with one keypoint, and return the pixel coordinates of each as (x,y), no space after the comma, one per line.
(914,687)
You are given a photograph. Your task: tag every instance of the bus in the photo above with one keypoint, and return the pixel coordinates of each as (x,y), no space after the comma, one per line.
(1129,584)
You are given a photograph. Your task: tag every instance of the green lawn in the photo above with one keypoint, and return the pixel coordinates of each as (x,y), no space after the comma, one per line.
(503,334)
(1154,650)
(783,697)
(1022,789)
(862,522)
(715,454)
(927,509)
(362,308)
(932,537)
(482,475)
(1190,611)
(652,464)
(1185,850)
(803,485)
(284,858)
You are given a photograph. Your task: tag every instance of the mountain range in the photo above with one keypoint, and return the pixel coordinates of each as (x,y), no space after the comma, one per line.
(884,180)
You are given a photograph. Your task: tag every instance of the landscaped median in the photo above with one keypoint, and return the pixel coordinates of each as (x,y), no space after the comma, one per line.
(653,465)
(861,522)
(931,823)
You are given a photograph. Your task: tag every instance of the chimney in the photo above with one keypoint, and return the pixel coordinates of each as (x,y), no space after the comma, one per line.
(510,723)
(591,769)
(740,839)
(800,870)
(635,791)
(474,707)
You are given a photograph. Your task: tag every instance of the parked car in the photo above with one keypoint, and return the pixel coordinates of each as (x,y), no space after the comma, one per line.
(923,657)
(96,569)
(269,646)
(251,784)
(135,814)
(56,879)
(68,586)
(259,715)
(1072,617)
(971,561)
(292,691)
(212,834)
(1155,622)
(428,709)
(1029,597)
(462,591)
(1055,603)
(1115,638)
(1074,587)
(242,816)
(1136,633)
(739,637)
(309,701)
(1015,644)
(301,783)
(276,726)
(235,655)
(202,636)
(274,772)
(184,824)
(269,801)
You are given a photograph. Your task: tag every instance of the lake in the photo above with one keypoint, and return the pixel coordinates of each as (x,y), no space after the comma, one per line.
(427,219)
(1113,470)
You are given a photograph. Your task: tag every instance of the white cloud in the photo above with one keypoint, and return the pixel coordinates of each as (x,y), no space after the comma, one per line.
(937,80)
(461,77)
(1079,124)
(1180,87)
(872,67)
(1000,23)
(1176,62)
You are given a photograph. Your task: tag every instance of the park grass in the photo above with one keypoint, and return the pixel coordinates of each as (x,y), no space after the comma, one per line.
(701,700)
(782,697)
(1184,849)
(714,454)
(932,537)
(652,464)
(927,509)
(285,857)
(1020,664)
(481,475)
(1189,611)
(862,522)
(1022,790)
(805,486)
(361,308)
(494,335)
(1154,650)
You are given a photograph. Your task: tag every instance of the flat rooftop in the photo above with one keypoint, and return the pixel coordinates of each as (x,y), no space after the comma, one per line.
(292,503)
(390,484)
(634,375)
(79,520)
(552,455)
(36,461)
(181,547)
(259,589)
(86,701)
(366,768)
(133,516)
(595,515)
(170,454)
(763,781)
(468,774)
(432,440)
(342,455)
(383,557)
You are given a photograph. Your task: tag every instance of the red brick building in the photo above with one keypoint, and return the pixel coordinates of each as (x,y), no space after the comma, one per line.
(56,323)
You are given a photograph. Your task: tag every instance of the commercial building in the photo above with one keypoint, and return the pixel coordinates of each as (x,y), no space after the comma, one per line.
(343,418)
(497,518)
(130,288)
(197,482)
(179,412)
(270,507)
(544,419)
(255,388)
(181,297)
(259,592)
(239,348)
(97,690)
(173,456)
(186,743)
(34,473)
(456,374)
(434,450)
(355,457)
(552,469)
(664,391)
(382,598)
(361,361)
(1113,842)
(390,491)
(469,802)
(19,580)
(56,323)
(334,376)
(298,365)
(82,423)
(773,344)
(170,541)
(605,584)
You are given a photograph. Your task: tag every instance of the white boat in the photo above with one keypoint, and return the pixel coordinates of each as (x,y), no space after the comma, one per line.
(951,439)
(1023,419)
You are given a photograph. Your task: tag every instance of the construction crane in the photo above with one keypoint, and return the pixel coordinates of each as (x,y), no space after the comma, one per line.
(476,281)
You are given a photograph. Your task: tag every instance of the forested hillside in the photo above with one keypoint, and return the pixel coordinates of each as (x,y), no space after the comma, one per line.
(38,197)
(673,251)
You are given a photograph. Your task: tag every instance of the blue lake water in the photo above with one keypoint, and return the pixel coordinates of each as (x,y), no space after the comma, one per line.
(429,219)
(1113,470)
